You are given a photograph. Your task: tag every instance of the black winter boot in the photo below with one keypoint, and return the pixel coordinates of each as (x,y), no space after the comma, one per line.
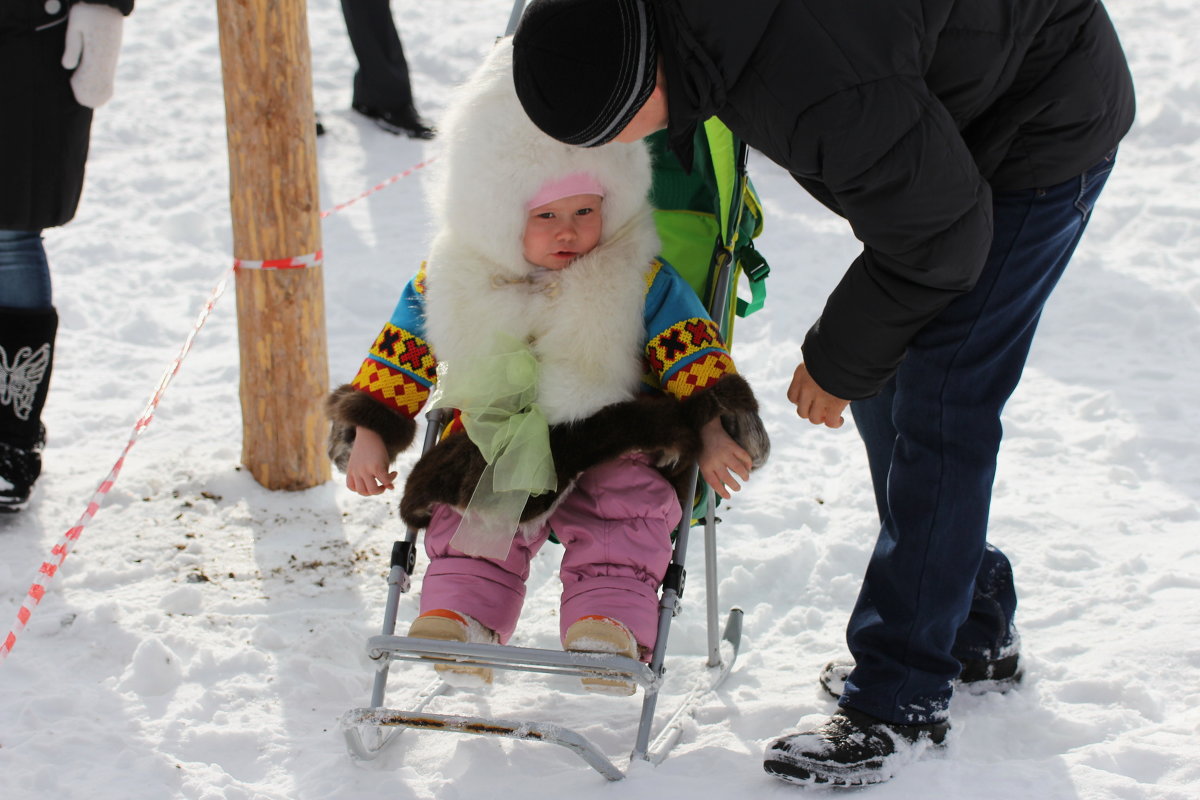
(978,676)
(19,468)
(851,749)
(26,355)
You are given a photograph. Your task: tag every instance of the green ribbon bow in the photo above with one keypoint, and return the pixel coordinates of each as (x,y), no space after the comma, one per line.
(495,395)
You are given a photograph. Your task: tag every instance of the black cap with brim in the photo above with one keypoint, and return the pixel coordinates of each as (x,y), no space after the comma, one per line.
(584,68)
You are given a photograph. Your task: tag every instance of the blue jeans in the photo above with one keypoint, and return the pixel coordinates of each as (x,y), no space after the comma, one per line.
(24,272)
(935,592)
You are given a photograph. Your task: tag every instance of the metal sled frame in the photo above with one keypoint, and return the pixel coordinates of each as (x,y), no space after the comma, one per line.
(369,730)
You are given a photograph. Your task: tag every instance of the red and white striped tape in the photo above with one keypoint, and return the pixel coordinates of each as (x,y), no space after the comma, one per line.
(295,262)
(377,187)
(58,554)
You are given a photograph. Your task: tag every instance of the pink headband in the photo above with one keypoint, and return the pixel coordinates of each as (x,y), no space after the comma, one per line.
(558,188)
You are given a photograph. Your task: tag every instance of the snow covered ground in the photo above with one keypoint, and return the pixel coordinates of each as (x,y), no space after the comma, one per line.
(205,635)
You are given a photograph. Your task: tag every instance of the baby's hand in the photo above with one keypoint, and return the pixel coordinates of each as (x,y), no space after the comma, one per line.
(721,457)
(367,468)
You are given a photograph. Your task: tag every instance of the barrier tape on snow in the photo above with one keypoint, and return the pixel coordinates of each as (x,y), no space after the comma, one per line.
(59,552)
(377,187)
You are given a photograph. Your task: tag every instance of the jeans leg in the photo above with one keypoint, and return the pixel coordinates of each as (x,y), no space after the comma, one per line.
(931,557)
(873,419)
(27,326)
(24,272)
(988,631)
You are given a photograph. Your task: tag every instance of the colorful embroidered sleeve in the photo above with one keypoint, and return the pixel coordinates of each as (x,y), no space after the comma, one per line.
(684,351)
(400,369)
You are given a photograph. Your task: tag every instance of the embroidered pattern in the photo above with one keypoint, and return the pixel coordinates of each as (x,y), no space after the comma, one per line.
(391,387)
(402,350)
(700,374)
(680,342)
(400,370)
(19,380)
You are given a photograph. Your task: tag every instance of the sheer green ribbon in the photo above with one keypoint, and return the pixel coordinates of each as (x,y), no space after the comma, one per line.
(495,395)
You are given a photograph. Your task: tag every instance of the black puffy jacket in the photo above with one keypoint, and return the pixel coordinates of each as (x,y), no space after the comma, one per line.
(901,115)
(43,131)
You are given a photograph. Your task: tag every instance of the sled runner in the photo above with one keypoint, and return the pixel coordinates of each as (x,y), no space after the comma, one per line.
(706,218)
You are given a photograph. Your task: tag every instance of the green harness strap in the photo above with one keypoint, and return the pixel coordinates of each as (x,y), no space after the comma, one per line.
(710,209)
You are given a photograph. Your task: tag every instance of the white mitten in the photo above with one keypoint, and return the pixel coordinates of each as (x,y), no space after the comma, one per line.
(93,43)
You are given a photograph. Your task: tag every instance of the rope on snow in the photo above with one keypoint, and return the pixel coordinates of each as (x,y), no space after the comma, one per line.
(58,554)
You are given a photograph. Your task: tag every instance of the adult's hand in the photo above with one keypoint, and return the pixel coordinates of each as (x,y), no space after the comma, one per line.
(93,43)
(814,403)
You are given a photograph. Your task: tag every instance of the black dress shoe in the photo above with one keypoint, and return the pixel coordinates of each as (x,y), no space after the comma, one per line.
(398,122)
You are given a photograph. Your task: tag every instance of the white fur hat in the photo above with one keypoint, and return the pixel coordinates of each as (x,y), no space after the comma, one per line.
(494,160)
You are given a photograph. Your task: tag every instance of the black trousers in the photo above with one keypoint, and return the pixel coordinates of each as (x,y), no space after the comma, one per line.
(935,592)
(382,77)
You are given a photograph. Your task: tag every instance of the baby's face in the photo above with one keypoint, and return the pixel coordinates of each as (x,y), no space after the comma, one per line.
(561,231)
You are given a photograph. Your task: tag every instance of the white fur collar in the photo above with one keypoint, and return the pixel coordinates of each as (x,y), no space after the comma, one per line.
(584,323)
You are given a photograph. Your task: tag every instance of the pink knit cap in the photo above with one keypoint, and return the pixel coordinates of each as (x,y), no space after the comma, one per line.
(558,188)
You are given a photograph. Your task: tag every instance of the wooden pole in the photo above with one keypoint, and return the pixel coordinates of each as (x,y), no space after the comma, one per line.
(267,70)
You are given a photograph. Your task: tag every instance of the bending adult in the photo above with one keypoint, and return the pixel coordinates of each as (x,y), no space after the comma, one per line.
(59,57)
(966,144)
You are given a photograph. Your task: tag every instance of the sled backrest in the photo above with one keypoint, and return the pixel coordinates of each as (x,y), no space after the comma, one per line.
(708,214)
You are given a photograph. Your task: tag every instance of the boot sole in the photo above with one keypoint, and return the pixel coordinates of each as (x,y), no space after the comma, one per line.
(447,630)
(864,773)
(793,773)
(601,636)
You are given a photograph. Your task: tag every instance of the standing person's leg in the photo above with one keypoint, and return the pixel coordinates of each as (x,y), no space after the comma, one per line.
(381,80)
(959,372)
(931,556)
(382,87)
(616,528)
(24,271)
(28,323)
(873,420)
(986,643)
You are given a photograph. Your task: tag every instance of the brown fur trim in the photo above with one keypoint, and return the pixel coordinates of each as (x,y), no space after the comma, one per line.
(650,424)
(348,408)
(733,401)
(446,474)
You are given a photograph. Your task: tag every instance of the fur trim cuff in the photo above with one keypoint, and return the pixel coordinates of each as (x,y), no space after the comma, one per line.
(733,401)
(347,408)
(446,474)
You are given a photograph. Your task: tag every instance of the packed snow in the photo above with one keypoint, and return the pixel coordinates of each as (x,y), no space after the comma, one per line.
(205,635)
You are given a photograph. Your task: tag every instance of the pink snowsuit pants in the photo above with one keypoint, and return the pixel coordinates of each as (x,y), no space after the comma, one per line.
(615,526)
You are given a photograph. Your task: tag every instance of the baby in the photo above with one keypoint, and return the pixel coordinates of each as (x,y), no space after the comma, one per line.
(586,376)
